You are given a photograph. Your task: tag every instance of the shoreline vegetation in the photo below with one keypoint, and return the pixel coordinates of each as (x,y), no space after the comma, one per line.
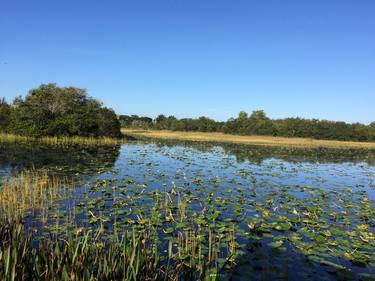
(257,124)
(61,140)
(249,140)
(54,114)
(144,134)
(69,251)
(147,134)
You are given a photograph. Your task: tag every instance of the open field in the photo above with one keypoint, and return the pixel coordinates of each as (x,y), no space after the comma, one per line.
(251,140)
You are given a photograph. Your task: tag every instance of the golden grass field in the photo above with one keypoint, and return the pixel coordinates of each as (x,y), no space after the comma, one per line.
(250,140)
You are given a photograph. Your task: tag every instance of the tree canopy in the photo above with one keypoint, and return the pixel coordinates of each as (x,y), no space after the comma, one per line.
(59,111)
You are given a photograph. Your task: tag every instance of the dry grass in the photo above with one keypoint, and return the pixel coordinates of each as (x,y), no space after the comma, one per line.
(61,140)
(250,140)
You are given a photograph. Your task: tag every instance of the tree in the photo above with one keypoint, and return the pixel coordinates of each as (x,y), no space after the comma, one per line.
(51,110)
(372,131)
(260,124)
(161,122)
(4,114)
(135,121)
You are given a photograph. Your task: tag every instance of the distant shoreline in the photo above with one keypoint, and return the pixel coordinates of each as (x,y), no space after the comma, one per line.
(249,140)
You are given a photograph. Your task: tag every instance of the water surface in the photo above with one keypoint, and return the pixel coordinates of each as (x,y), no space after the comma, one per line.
(297,214)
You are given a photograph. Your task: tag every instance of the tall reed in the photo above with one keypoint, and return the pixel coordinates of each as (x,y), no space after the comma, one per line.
(28,192)
(61,140)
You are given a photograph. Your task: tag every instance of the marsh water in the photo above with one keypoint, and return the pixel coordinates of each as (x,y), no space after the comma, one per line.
(296,214)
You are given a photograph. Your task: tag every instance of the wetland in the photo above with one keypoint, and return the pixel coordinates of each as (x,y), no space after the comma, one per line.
(167,210)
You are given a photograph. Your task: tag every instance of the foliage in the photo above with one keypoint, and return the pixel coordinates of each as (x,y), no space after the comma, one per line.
(54,111)
(4,114)
(135,121)
(257,123)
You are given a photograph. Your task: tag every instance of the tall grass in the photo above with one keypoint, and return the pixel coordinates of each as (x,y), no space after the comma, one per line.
(78,257)
(130,252)
(62,140)
(28,192)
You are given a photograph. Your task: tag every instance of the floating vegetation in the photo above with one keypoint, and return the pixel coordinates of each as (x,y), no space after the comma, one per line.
(182,213)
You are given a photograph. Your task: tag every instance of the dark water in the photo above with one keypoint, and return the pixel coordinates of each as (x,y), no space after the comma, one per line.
(319,204)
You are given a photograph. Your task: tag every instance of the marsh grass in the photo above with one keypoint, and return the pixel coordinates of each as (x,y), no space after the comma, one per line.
(62,140)
(80,256)
(131,252)
(28,192)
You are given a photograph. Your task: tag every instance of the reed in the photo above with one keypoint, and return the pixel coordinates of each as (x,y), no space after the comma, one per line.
(133,252)
(28,192)
(61,140)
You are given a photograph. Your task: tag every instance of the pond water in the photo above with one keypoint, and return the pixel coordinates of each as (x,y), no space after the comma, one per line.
(294,214)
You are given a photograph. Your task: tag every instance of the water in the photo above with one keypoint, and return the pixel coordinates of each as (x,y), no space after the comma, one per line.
(319,203)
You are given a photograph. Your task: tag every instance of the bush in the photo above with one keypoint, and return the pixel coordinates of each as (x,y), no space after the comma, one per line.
(53,111)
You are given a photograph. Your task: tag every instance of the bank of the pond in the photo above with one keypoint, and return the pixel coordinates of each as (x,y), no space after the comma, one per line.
(251,140)
(62,140)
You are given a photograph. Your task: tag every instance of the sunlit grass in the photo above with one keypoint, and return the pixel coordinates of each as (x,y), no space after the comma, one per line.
(61,140)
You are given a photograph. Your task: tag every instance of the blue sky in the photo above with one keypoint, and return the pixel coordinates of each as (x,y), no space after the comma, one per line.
(313,59)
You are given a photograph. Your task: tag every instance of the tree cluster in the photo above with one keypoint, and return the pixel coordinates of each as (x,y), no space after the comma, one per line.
(54,111)
(135,121)
(257,123)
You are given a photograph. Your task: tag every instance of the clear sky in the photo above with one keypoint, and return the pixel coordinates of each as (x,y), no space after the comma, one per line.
(313,59)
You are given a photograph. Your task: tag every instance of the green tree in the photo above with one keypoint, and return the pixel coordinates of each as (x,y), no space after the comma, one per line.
(259,124)
(4,114)
(52,110)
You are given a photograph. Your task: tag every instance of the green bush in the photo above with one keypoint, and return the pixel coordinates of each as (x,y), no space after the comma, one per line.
(54,111)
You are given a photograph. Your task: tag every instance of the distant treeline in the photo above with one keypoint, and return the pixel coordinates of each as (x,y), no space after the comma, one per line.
(257,123)
(53,111)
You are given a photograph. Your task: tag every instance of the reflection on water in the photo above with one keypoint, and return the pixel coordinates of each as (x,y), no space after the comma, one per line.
(67,160)
(76,158)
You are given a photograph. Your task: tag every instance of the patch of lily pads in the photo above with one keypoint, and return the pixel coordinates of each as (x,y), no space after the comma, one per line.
(243,217)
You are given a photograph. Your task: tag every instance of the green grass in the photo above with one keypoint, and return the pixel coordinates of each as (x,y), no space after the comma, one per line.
(78,253)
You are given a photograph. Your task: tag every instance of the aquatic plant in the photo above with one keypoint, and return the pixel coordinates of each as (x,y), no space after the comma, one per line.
(200,216)
(29,192)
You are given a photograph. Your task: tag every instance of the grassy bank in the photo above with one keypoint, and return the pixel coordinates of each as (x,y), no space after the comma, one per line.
(250,140)
(86,141)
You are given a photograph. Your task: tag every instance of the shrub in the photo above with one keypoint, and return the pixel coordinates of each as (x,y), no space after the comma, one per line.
(54,111)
